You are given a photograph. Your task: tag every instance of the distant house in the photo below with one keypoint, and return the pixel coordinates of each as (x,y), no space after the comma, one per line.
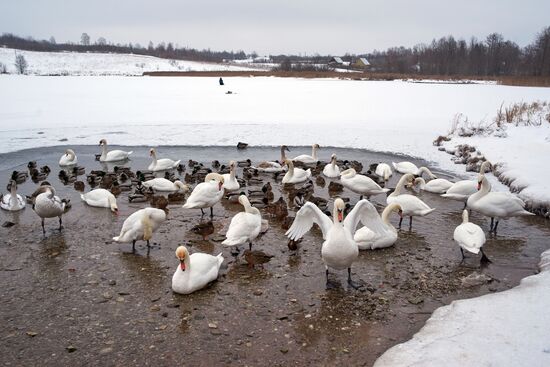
(361,63)
(336,61)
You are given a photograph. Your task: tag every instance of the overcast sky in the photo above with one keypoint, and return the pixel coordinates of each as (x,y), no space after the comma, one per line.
(273,27)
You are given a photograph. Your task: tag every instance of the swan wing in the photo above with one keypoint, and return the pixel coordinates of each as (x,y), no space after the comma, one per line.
(365,213)
(305,217)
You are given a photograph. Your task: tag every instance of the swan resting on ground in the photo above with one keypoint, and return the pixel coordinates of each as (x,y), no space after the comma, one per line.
(273,166)
(230,182)
(309,159)
(164,185)
(195,271)
(295,175)
(332,170)
(12,201)
(100,198)
(378,232)
(436,186)
(360,184)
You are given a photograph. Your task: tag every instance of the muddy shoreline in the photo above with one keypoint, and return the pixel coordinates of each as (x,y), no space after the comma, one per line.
(76,296)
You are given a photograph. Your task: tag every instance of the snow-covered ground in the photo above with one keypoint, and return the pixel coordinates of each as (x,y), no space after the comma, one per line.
(391,116)
(77,63)
(503,329)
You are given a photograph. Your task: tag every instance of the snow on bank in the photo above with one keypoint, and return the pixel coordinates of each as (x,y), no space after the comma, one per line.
(78,63)
(510,328)
(520,158)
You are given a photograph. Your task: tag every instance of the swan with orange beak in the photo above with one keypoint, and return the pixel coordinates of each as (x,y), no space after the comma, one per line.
(339,249)
(206,194)
(195,271)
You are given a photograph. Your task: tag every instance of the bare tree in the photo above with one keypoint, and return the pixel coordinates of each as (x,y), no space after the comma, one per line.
(20,64)
(101,41)
(85,39)
(52,40)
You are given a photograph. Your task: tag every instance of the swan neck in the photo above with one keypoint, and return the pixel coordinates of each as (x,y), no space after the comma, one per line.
(283,155)
(465,218)
(13,190)
(400,185)
(314,152)
(386,214)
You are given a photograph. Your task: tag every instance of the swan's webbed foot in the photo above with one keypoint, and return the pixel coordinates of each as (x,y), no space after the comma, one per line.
(133,246)
(211,212)
(60,224)
(351,283)
(484,258)
(43,228)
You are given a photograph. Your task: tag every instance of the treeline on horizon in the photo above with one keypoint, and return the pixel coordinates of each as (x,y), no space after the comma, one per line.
(493,56)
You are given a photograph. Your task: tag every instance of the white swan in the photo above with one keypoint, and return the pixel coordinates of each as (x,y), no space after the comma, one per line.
(113,155)
(206,194)
(461,191)
(360,184)
(140,226)
(332,170)
(230,182)
(383,170)
(100,198)
(47,205)
(408,167)
(245,226)
(378,232)
(195,271)
(162,164)
(495,204)
(162,184)
(68,159)
(309,159)
(273,166)
(436,186)
(411,206)
(470,237)
(339,250)
(295,175)
(12,201)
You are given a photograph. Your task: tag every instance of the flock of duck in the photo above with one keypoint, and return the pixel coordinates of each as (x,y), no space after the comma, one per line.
(342,239)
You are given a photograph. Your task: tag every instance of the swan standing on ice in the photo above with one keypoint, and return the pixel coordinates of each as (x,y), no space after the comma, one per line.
(47,205)
(194,271)
(206,194)
(495,204)
(339,250)
(230,182)
(140,226)
(383,170)
(360,184)
(68,159)
(12,201)
(309,159)
(162,164)
(113,155)
(273,166)
(295,175)
(332,170)
(162,184)
(410,205)
(470,237)
(436,186)
(100,198)
(377,232)
(245,226)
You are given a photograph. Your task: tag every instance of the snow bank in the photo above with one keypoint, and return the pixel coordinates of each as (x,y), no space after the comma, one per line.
(77,63)
(510,328)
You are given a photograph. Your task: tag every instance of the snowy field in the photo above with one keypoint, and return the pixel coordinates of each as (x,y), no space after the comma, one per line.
(75,63)
(396,116)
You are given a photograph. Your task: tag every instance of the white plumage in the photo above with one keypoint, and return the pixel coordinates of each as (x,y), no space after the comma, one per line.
(230,182)
(162,164)
(383,170)
(468,235)
(410,205)
(47,205)
(162,184)
(12,201)
(377,232)
(360,184)
(100,198)
(436,186)
(68,159)
(207,193)
(295,175)
(195,271)
(461,190)
(332,170)
(113,155)
(245,226)
(140,226)
(309,159)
